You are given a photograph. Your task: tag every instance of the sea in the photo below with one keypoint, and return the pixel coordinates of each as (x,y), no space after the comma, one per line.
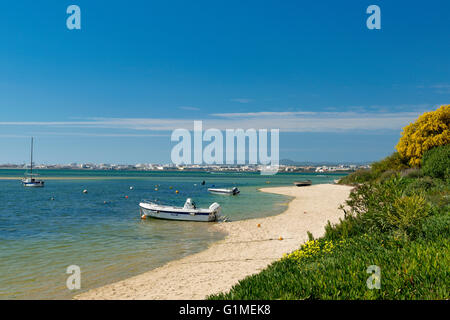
(43,231)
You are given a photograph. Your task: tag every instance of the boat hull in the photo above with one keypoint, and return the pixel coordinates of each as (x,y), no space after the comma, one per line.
(181,216)
(33,184)
(303,183)
(224,192)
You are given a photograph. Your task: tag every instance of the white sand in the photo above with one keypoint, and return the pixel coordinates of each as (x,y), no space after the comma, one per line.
(247,249)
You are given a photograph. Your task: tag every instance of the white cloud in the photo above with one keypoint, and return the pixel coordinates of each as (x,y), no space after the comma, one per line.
(296,121)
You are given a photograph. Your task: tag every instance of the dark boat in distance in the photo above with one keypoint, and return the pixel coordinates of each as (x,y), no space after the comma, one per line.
(303,183)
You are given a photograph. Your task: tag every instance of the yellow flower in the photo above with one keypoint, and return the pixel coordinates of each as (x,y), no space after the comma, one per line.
(430,130)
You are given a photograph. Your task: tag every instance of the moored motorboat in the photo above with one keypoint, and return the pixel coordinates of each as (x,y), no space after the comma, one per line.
(189,212)
(232,191)
(303,183)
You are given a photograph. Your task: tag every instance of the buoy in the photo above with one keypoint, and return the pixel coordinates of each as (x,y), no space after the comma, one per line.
(131,188)
(170,187)
(195,184)
(84,191)
(52,198)
(126,197)
(176,191)
(143,217)
(156,189)
(280,238)
(259,225)
(104,202)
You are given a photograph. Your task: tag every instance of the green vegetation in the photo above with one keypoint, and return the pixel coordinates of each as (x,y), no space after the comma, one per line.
(380,171)
(436,162)
(392,163)
(417,270)
(397,218)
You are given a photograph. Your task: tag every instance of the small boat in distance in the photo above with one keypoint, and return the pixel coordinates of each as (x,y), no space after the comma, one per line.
(189,212)
(303,183)
(233,191)
(30,181)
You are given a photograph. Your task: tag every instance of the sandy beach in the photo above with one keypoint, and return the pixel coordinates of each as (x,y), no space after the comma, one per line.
(247,249)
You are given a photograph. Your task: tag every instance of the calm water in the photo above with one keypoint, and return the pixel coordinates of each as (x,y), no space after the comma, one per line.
(41,237)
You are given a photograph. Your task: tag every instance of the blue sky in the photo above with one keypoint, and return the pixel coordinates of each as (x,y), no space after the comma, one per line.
(113,91)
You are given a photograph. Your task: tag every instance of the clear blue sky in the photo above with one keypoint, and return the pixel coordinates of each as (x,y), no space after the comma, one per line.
(113,91)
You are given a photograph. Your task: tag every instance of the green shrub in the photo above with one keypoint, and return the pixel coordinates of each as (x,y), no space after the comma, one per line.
(382,207)
(359,176)
(345,228)
(412,173)
(437,226)
(369,203)
(389,174)
(393,162)
(436,162)
(408,213)
(382,170)
(421,185)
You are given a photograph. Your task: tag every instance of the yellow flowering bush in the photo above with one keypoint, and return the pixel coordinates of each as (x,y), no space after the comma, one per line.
(430,130)
(313,248)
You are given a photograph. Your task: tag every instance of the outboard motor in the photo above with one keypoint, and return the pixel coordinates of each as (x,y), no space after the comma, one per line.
(215,207)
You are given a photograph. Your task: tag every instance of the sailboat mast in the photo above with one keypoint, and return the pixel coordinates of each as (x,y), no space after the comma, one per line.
(31,163)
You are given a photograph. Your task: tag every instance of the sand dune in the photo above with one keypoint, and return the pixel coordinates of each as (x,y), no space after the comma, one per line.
(247,249)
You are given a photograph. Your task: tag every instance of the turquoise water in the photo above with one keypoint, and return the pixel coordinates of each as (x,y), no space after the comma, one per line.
(44,230)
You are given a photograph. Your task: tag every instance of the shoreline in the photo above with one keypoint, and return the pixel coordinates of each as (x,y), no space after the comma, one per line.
(78,178)
(246,249)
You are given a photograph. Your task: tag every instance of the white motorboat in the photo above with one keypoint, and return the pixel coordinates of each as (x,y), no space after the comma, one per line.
(30,181)
(189,212)
(232,191)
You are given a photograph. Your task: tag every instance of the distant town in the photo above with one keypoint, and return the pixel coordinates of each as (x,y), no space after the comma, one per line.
(193,167)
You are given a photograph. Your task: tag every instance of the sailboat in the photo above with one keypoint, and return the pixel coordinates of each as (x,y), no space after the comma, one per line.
(29,180)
